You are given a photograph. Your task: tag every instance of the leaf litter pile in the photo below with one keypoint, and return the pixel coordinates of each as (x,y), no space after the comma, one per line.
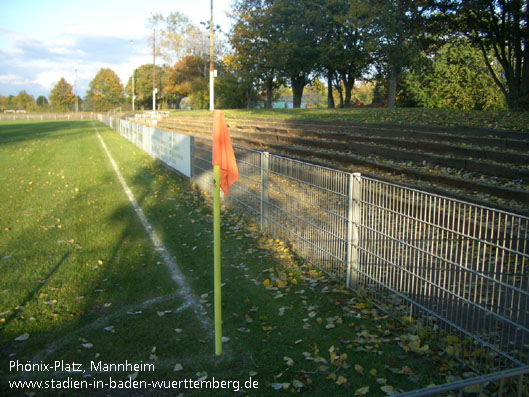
(285,324)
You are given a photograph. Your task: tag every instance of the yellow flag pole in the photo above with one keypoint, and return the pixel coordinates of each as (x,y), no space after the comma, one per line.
(217,261)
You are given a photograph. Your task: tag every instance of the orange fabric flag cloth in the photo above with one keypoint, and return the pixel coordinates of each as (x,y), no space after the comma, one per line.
(223,152)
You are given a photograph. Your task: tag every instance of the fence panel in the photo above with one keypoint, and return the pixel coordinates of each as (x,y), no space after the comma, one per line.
(451,266)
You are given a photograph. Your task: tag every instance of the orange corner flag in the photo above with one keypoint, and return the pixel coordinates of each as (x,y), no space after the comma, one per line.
(223,152)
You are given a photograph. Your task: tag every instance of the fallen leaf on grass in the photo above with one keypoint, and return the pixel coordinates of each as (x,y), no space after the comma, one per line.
(362,391)
(297,384)
(341,380)
(153,356)
(22,337)
(178,367)
(388,389)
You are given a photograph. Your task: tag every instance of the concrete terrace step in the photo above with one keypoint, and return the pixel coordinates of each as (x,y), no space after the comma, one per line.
(381,150)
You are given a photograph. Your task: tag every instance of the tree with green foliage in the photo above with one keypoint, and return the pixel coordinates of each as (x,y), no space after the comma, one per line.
(143,85)
(254,41)
(24,101)
(106,91)
(397,26)
(3,102)
(61,96)
(233,90)
(42,103)
(344,44)
(455,77)
(295,27)
(500,30)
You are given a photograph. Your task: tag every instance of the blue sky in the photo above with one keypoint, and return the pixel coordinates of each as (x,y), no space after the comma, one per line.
(44,40)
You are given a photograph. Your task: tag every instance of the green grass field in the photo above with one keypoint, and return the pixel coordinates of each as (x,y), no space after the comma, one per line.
(82,282)
(518,121)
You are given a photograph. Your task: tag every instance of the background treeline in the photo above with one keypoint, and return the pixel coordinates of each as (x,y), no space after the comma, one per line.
(447,54)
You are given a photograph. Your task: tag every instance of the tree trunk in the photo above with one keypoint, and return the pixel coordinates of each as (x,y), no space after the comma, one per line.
(269,88)
(392,91)
(298,84)
(330,97)
(348,85)
(249,98)
(338,87)
(178,101)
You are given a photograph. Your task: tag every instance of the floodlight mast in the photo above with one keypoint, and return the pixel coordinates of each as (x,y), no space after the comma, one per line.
(76,97)
(211,64)
(132,45)
(154,68)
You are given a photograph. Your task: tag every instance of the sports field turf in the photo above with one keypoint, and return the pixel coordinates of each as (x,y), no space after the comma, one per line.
(82,282)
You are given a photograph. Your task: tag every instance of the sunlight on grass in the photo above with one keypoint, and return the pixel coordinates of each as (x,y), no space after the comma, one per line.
(82,282)
(412,116)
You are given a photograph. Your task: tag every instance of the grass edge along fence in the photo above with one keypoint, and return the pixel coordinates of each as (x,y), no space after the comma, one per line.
(458,273)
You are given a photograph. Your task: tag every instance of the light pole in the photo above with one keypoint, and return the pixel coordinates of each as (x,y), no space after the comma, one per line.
(155,21)
(132,61)
(76,97)
(211,64)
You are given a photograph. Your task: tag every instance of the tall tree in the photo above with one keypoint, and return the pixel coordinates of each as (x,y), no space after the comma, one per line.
(179,37)
(61,96)
(3,102)
(42,103)
(106,91)
(397,25)
(185,76)
(499,28)
(295,28)
(25,101)
(353,28)
(143,84)
(254,41)
(235,85)
(454,77)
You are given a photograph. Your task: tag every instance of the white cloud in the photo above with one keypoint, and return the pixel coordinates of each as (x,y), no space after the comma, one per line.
(49,40)
(9,79)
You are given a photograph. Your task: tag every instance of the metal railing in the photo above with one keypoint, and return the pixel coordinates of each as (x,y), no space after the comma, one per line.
(48,116)
(458,271)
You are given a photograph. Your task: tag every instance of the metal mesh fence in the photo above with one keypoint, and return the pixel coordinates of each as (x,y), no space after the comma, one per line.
(457,271)
(455,268)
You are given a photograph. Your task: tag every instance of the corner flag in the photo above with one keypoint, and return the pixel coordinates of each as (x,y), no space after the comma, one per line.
(223,152)
(225,173)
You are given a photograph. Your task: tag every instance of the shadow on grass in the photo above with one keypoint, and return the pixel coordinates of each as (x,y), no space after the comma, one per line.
(27,131)
(31,294)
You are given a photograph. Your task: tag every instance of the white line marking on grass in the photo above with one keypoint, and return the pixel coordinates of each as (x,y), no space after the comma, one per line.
(184,290)
(102,321)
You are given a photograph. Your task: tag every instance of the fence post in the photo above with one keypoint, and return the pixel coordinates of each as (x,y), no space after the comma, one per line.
(265,156)
(353,220)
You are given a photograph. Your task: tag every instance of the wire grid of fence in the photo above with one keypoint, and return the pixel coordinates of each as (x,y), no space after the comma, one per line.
(457,271)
